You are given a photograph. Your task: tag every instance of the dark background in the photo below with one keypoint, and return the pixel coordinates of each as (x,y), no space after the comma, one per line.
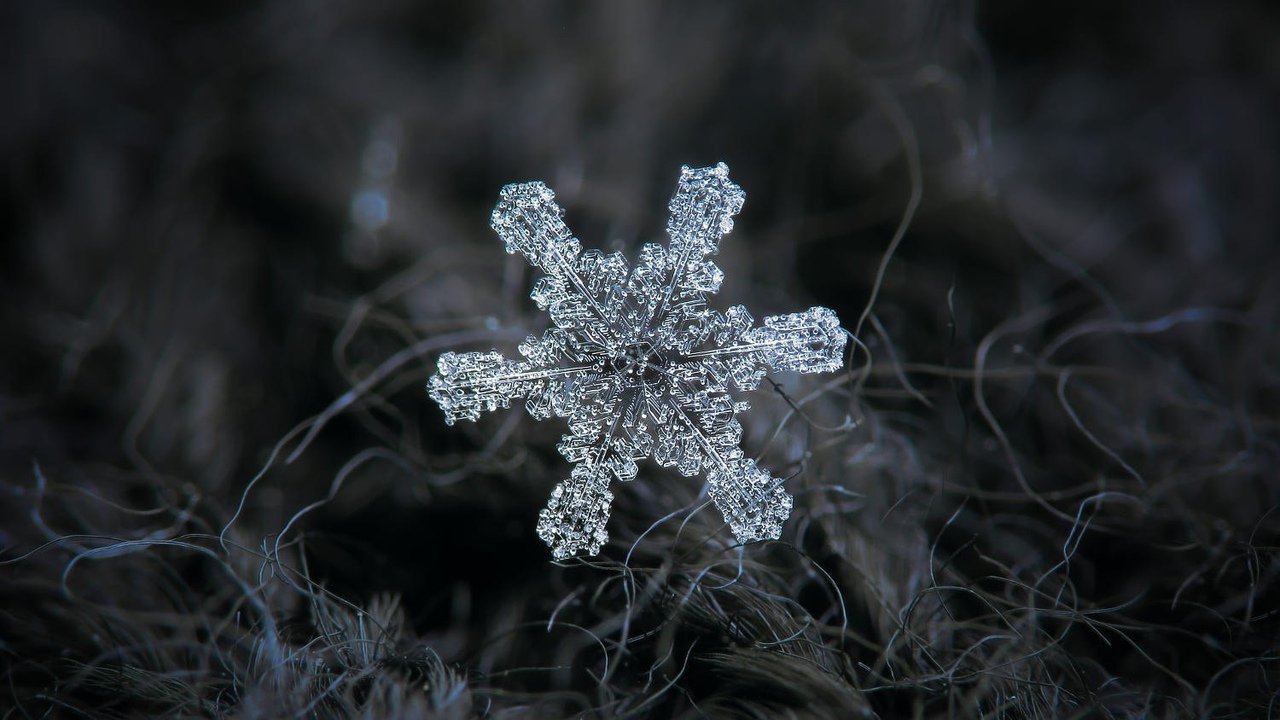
(1053,496)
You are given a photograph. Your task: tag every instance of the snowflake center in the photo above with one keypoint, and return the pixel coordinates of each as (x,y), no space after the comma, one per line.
(639,361)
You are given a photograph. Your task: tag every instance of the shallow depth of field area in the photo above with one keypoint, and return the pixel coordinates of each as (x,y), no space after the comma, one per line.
(1046,484)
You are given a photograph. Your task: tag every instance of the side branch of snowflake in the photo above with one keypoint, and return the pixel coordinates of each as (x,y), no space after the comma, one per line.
(638,363)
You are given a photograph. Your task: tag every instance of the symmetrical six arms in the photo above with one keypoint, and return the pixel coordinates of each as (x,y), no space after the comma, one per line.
(638,363)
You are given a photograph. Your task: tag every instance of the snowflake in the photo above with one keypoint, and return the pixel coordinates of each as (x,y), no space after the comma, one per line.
(638,363)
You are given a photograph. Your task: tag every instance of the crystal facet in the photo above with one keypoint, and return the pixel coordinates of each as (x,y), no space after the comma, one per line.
(638,363)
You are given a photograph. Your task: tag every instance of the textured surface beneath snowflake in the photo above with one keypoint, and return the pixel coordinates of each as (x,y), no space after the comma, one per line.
(638,362)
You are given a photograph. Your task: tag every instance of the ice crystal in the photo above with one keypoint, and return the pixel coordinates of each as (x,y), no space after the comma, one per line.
(638,363)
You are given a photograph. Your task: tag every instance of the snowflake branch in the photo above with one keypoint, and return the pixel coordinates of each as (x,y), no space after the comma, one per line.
(701,213)
(749,498)
(578,510)
(529,221)
(807,342)
(468,383)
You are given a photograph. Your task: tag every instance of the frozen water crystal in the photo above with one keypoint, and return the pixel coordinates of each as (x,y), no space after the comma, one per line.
(638,363)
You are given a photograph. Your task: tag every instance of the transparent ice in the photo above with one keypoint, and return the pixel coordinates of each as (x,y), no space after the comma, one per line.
(638,363)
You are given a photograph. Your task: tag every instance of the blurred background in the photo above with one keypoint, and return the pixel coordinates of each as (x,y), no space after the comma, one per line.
(1045,489)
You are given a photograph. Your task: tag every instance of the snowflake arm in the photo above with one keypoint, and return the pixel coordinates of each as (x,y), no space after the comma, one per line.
(579,290)
(606,437)
(805,342)
(704,434)
(575,517)
(549,379)
(701,214)
(680,275)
